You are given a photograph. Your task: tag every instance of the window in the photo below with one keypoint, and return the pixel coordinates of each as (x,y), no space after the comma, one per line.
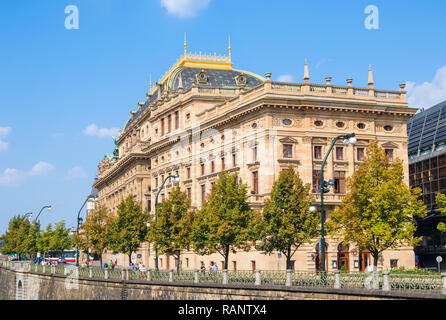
(287,151)
(203,193)
(255,182)
(187,116)
(223,163)
(234,160)
(388,128)
(340,124)
(394,263)
(189,193)
(177,119)
(318,123)
(291,266)
(389,154)
(254,125)
(212,166)
(234,265)
(361,125)
(286,122)
(317,152)
(149,205)
(156,182)
(254,154)
(169,123)
(162,126)
(187,262)
(339,182)
(360,154)
(316,181)
(253,265)
(202,169)
(188,173)
(339,153)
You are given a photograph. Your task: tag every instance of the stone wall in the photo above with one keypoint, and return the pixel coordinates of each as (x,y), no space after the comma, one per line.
(22,285)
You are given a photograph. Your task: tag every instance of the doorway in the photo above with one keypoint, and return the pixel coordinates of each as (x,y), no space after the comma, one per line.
(318,260)
(364,260)
(343,257)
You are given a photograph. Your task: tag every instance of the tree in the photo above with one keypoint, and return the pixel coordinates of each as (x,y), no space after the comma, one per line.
(171,232)
(129,228)
(43,242)
(441,202)
(15,236)
(379,211)
(60,238)
(225,220)
(95,232)
(286,221)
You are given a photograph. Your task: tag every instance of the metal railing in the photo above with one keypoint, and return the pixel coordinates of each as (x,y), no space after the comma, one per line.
(385,281)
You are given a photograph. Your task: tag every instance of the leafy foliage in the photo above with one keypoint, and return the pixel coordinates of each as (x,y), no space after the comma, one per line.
(225,220)
(286,222)
(441,202)
(380,209)
(129,228)
(171,232)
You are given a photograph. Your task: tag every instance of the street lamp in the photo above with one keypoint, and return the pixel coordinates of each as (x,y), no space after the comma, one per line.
(348,139)
(93,195)
(49,208)
(175,179)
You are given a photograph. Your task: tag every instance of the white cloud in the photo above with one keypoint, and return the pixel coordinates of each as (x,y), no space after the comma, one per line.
(184,8)
(427,94)
(41,168)
(94,131)
(75,173)
(285,78)
(11,177)
(4,131)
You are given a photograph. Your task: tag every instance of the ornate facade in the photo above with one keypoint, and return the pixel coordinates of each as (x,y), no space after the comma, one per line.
(204,117)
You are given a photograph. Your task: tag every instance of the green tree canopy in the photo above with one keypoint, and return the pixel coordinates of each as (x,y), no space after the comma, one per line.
(441,202)
(225,220)
(286,221)
(380,209)
(129,228)
(60,238)
(16,236)
(171,232)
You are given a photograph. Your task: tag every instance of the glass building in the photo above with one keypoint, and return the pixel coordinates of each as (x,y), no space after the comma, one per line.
(427,170)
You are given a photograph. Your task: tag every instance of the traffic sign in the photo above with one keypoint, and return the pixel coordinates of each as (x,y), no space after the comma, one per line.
(279,255)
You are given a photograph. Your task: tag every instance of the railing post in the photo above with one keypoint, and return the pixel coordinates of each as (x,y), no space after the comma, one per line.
(149,275)
(90,273)
(225,276)
(53,269)
(443,276)
(196,276)
(337,284)
(64,271)
(288,278)
(35,268)
(171,275)
(122,274)
(106,274)
(43,269)
(127,274)
(258,279)
(386,285)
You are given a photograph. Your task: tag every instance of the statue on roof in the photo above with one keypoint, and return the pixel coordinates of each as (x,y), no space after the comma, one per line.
(115,149)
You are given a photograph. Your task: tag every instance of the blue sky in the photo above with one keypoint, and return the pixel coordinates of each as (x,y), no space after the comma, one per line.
(64,92)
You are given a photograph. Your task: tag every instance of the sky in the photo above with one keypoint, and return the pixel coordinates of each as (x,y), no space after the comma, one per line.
(67,85)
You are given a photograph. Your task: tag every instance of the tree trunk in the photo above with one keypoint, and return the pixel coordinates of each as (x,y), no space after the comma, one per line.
(100,257)
(226,257)
(130,259)
(288,259)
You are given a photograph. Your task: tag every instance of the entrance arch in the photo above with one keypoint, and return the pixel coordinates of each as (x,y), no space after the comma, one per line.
(343,257)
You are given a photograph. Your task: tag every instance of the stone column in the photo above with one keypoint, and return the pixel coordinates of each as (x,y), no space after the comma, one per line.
(337,284)
(43,269)
(258,279)
(122,275)
(53,269)
(170,275)
(149,275)
(225,276)
(127,274)
(288,278)
(106,274)
(196,276)
(386,285)
(90,273)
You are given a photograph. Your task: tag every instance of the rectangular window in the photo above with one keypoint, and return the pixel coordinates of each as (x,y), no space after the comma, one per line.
(203,193)
(254,154)
(149,206)
(317,152)
(255,182)
(156,182)
(339,153)
(389,154)
(287,151)
(316,181)
(339,182)
(253,265)
(394,263)
(189,193)
(162,126)
(169,123)
(212,166)
(177,119)
(234,265)
(202,169)
(234,160)
(187,262)
(222,163)
(360,154)
(188,173)
(292,263)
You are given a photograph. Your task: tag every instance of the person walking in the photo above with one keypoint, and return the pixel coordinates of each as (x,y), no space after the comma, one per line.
(143,271)
(214,270)
(203,270)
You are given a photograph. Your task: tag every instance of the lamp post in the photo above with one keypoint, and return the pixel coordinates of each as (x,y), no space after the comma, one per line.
(348,139)
(38,221)
(176,178)
(93,195)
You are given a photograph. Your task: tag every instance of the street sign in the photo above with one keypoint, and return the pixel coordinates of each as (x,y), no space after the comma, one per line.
(279,255)
(439,259)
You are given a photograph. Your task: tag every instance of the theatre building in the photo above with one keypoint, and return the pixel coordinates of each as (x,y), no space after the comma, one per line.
(204,117)
(427,170)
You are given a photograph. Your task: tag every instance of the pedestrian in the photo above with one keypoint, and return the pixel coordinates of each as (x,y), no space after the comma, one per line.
(214,270)
(143,271)
(203,270)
